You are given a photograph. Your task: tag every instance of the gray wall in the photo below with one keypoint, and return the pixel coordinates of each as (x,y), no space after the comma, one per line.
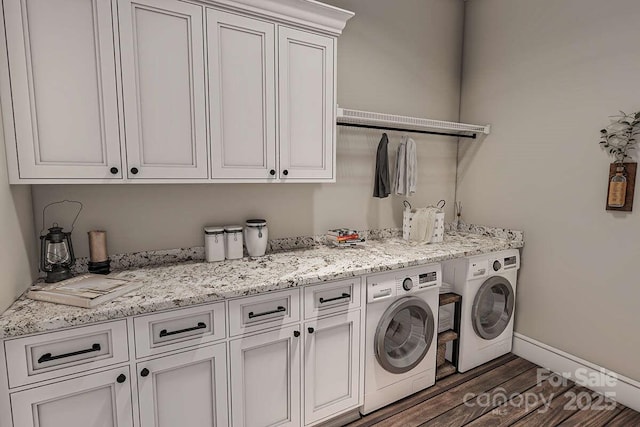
(18,253)
(547,74)
(403,60)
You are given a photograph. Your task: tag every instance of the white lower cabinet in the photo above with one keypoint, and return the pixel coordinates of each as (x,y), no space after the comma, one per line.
(96,400)
(265,379)
(279,370)
(185,389)
(331,365)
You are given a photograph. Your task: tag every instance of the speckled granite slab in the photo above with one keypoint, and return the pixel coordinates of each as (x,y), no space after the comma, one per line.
(196,282)
(172,256)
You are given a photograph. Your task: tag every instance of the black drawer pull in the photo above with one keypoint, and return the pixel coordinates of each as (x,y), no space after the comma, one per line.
(47,357)
(121,378)
(343,296)
(164,333)
(280,309)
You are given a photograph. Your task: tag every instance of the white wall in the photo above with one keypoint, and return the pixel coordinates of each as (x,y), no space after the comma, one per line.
(403,60)
(547,74)
(18,252)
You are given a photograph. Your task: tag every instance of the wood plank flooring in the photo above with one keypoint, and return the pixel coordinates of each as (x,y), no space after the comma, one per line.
(508,391)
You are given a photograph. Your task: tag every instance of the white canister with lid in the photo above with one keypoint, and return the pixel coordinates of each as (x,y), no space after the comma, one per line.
(233,241)
(255,236)
(214,243)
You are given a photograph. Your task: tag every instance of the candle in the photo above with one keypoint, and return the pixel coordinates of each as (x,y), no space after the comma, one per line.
(98,246)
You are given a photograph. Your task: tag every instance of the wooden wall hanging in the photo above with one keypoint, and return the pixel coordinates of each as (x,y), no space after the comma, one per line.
(630,174)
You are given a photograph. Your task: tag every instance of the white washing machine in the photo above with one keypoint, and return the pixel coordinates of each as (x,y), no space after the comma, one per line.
(401,334)
(487,284)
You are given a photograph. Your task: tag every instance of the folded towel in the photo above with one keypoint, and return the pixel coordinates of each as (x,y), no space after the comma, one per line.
(406,176)
(423,224)
(381,185)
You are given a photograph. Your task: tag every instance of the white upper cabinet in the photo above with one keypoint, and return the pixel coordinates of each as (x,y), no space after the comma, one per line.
(241,58)
(163,79)
(61,58)
(171,91)
(307,105)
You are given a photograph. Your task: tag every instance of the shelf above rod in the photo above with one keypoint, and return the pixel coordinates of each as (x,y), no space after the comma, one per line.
(392,122)
(429,132)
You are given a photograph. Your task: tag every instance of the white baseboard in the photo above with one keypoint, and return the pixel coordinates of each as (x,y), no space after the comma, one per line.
(620,388)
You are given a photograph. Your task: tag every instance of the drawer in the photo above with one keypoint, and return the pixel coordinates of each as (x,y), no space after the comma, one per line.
(173,330)
(52,355)
(263,311)
(332,297)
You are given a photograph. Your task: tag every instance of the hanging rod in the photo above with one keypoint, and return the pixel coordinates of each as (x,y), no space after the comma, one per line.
(430,132)
(381,121)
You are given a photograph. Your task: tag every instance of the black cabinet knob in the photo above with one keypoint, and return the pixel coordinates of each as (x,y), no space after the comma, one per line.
(121,378)
(296,334)
(144,372)
(114,171)
(285,172)
(311,330)
(134,171)
(272,172)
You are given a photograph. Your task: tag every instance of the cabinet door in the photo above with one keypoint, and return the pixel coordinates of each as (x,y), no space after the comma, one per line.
(241,58)
(96,400)
(162,45)
(188,389)
(307,105)
(331,365)
(63,85)
(265,379)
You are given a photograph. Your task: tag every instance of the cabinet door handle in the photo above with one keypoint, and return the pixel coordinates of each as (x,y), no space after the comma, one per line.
(285,172)
(272,172)
(164,333)
(121,378)
(144,372)
(280,309)
(114,170)
(47,357)
(311,330)
(296,334)
(134,171)
(343,296)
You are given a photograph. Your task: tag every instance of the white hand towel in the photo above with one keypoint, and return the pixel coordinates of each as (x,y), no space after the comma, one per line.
(411,167)
(399,178)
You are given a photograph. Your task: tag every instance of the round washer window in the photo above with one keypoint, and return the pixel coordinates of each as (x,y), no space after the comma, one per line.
(404,335)
(493,307)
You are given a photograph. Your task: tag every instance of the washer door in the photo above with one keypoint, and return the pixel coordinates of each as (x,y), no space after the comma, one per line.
(492,307)
(404,335)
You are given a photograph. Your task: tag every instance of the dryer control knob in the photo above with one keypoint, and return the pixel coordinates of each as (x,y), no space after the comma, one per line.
(496,265)
(407,284)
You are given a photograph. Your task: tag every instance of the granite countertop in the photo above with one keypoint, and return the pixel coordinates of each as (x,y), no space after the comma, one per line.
(197,282)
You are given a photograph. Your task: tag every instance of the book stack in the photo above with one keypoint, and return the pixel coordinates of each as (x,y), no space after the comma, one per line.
(344,237)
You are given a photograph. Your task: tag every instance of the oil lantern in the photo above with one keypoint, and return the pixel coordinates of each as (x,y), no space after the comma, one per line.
(56,249)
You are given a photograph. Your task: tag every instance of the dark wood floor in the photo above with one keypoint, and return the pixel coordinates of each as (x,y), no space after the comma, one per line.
(504,392)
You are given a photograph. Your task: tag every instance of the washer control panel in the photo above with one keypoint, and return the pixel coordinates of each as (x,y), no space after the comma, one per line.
(480,267)
(393,284)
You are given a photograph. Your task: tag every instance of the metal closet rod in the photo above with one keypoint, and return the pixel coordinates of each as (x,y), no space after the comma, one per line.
(429,132)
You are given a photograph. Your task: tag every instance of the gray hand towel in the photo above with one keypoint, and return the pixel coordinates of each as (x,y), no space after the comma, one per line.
(381,185)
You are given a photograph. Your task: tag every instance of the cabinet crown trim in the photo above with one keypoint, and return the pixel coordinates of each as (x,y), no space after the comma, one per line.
(308,13)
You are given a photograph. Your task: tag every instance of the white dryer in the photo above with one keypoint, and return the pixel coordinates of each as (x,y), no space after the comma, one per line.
(401,334)
(487,284)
